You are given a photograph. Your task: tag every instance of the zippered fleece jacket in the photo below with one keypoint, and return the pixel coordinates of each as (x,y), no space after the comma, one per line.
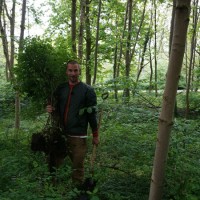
(76,106)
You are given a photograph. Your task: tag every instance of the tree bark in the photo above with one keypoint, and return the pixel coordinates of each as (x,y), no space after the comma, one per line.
(128,47)
(192,57)
(166,117)
(21,40)
(81,28)
(155,49)
(88,44)
(96,44)
(170,44)
(142,57)
(121,41)
(3,10)
(73,24)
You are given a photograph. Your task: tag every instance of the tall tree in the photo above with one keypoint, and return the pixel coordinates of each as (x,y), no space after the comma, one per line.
(97,44)
(21,40)
(8,52)
(195,16)
(170,44)
(155,46)
(128,47)
(73,26)
(88,43)
(81,30)
(166,117)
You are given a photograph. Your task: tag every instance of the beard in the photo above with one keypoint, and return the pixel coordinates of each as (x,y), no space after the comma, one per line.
(74,79)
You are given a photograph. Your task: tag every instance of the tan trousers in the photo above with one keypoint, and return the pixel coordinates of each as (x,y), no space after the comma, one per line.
(77,148)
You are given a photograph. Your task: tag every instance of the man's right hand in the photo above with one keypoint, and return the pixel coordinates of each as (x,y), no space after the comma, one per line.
(50,108)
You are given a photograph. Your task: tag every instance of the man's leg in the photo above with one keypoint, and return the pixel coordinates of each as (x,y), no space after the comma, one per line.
(77,153)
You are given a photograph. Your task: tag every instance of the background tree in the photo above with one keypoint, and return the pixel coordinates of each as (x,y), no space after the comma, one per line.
(21,41)
(195,19)
(8,48)
(81,30)
(97,44)
(73,25)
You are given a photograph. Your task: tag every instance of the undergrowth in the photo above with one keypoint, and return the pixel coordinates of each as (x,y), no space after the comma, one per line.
(124,158)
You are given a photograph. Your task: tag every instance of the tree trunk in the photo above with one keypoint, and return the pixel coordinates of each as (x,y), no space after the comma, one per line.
(115,72)
(142,58)
(88,43)
(150,58)
(81,28)
(73,24)
(155,49)
(151,68)
(139,29)
(3,8)
(17,94)
(192,57)
(170,44)
(121,41)
(166,117)
(128,48)
(96,44)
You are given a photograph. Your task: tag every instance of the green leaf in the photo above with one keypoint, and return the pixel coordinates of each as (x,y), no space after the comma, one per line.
(81,111)
(89,109)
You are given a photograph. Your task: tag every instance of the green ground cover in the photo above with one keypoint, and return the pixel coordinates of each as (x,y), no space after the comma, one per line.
(123,162)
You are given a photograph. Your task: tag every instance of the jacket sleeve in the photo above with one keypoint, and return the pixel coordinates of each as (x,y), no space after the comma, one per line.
(91,104)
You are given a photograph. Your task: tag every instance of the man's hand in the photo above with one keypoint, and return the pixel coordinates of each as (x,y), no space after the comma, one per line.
(95,140)
(50,108)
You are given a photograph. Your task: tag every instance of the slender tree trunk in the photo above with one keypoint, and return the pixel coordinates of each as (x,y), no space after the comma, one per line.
(73,24)
(151,68)
(121,40)
(12,35)
(115,64)
(96,44)
(172,26)
(170,44)
(139,29)
(81,28)
(17,93)
(166,117)
(142,57)
(150,58)
(192,57)
(88,44)
(128,47)
(155,48)
(3,28)
(115,73)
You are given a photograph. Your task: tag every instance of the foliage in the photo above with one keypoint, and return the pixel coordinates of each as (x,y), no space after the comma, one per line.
(7,98)
(123,162)
(41,67)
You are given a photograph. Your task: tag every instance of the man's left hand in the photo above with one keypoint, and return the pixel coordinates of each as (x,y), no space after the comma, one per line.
(95,140)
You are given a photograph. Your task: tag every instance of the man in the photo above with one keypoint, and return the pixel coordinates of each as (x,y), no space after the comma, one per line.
(76,106)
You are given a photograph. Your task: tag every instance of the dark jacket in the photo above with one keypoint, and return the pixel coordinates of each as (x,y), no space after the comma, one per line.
(76,108)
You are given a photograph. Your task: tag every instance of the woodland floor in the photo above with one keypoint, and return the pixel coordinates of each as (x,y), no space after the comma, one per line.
(124,158)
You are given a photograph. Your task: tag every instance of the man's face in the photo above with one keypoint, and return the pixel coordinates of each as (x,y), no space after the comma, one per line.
(73,72)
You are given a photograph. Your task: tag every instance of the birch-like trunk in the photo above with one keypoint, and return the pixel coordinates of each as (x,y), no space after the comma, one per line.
(166,117)
(21,40)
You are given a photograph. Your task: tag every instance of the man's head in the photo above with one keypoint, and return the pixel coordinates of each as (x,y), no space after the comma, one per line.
(73,71)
